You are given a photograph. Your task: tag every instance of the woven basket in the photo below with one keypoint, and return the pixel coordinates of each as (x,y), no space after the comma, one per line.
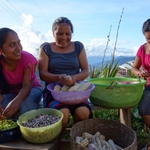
(121,134)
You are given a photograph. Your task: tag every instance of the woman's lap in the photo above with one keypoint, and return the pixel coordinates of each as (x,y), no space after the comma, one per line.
(29,103)
(144,105)
(55,104)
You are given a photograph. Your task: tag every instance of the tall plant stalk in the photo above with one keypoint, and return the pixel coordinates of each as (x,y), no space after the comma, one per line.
(118,32)
(108,40)
(111,69)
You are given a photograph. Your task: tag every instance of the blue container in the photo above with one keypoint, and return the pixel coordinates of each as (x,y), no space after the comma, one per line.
(10,134)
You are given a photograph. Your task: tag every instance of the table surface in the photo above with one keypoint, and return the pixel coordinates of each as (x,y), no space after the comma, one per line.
(22,144)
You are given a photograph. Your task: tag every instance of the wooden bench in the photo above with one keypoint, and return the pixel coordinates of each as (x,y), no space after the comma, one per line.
(21,144)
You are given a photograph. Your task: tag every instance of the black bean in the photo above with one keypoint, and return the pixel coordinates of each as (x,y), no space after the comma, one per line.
(41,120)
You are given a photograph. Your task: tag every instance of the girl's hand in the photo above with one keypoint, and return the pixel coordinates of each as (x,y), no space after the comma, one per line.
(2,117)
(62,76)
(66,80)
(11,108)
(144,73)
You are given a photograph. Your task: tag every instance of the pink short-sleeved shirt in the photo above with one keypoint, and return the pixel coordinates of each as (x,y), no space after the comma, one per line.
(15,78)
(145,59)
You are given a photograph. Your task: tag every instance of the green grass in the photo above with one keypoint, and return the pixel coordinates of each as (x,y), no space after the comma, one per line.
(137,125)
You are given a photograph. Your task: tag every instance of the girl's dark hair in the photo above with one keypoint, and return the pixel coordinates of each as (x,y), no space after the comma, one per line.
(62,20)
(146,26)
(4,86)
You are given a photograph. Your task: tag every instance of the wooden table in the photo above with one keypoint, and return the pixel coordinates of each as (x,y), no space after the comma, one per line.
(21,144)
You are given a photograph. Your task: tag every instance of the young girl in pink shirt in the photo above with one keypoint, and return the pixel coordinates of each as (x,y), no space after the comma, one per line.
(20,89)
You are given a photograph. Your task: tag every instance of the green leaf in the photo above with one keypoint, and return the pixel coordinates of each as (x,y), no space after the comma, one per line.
(105,71)
(111,63)
(114,70)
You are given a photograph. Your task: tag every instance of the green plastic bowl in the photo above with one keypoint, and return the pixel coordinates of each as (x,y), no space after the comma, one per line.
(116,92)
(43,134)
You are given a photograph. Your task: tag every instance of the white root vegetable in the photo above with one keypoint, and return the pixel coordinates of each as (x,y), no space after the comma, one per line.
(98,143)
(104,147)
(111,142)
(93,140)
(81,138)
(87,135)
(110,148)
(77,139)
(97,134)
(102,137)
(92,147)
(105,143)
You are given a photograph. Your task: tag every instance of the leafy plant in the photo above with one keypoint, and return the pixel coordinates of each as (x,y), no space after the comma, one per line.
(94,71)
(110,69)
(129,73)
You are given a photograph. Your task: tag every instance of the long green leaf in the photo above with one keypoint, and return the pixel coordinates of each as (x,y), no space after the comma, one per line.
(114,73)
(104,71)
(111,63)
(114,70)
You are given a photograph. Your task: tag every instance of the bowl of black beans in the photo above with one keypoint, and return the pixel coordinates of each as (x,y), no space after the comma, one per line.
(41,125)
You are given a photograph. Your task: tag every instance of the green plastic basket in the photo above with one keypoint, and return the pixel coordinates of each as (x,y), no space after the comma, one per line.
(42,134)
(116,92)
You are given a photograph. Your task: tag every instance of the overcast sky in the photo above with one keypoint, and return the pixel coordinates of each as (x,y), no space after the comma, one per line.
(32,20)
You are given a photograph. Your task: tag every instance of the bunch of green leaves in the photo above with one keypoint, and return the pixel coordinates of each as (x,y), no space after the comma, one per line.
(110,69)
(112,114)
(129,72)
(138,127)
(94,71)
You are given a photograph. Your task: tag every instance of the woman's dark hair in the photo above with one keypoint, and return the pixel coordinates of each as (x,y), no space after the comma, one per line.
(4,86)
(146,26)
(62,20)
(3,35)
